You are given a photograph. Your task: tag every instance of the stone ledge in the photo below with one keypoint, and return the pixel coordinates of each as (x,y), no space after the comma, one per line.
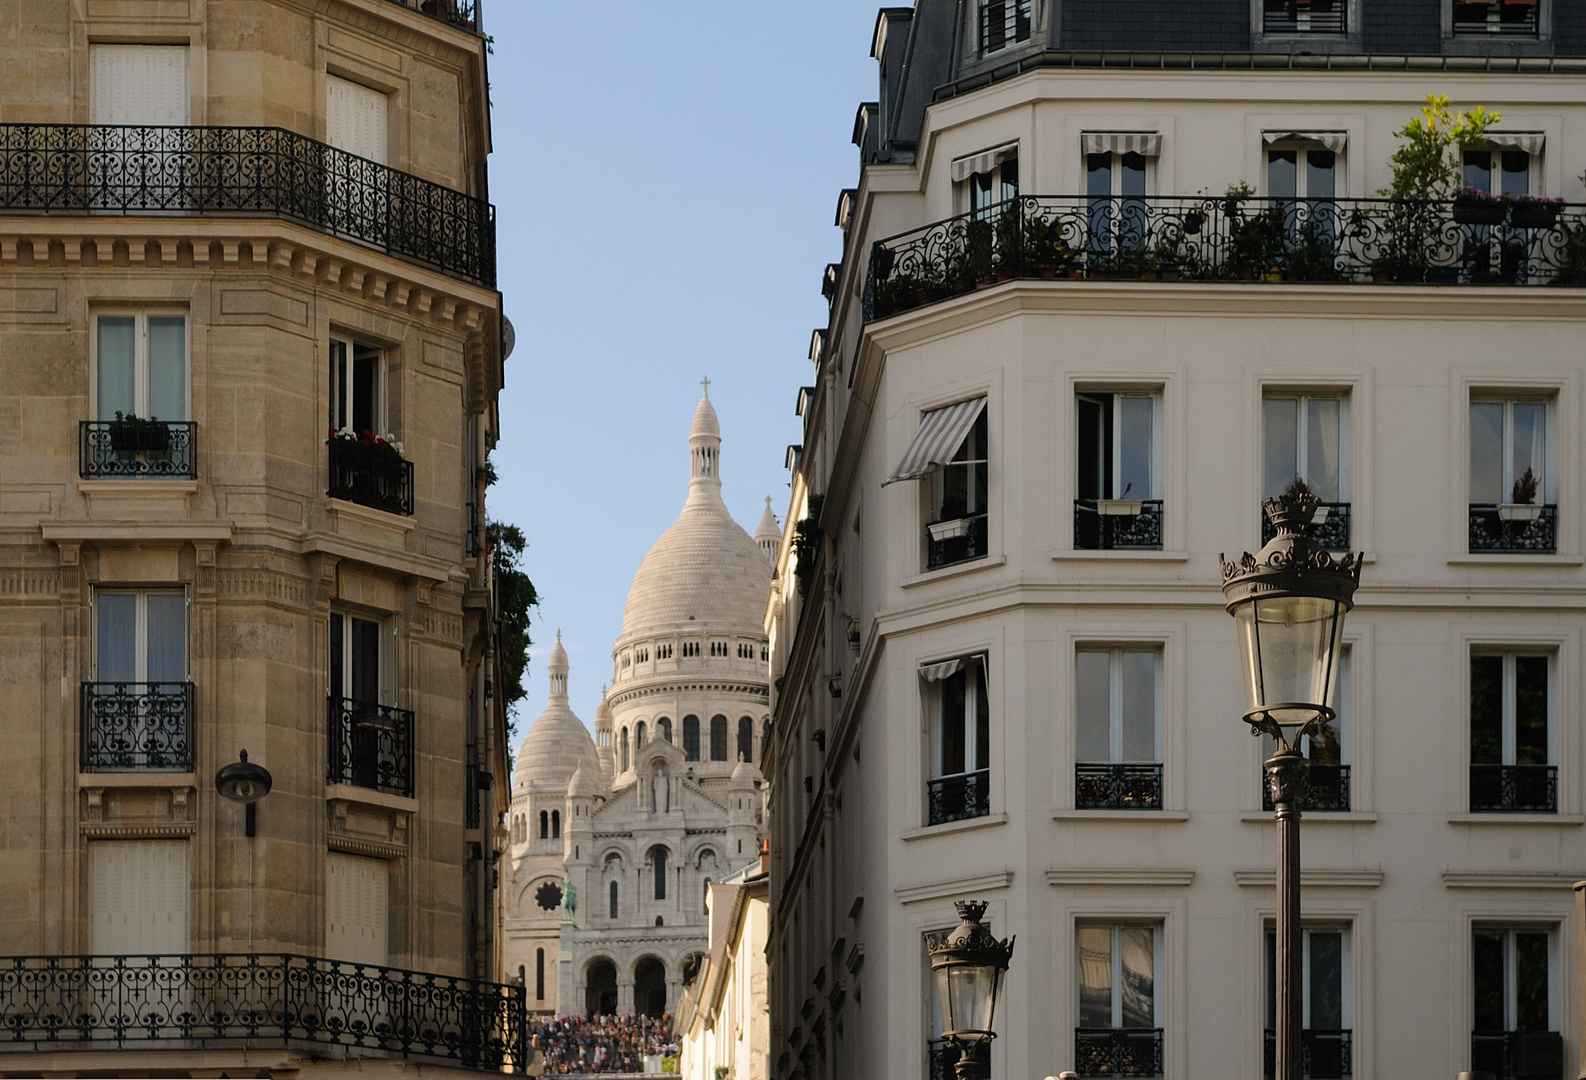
(1121,876)
(980,883)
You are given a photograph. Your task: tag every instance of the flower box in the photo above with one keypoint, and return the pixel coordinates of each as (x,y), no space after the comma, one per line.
(1535,215)
(1519,511)
(1477,211)
(949,530)
(139,436)
(1119,507)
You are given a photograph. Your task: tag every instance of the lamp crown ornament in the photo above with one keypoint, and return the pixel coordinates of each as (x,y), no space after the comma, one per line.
(1285,561)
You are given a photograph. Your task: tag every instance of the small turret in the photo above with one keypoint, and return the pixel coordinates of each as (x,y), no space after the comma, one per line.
(743,805)
(605,745)
(768,534)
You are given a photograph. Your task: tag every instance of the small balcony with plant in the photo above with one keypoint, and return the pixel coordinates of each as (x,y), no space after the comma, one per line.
(369,470)
(137,448)
(370,746)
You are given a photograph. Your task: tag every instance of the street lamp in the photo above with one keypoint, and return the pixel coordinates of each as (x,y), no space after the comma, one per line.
(244,782)
(1289,603)
(968,963)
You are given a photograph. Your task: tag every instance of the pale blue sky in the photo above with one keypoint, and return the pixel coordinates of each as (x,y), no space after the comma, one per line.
(665,177)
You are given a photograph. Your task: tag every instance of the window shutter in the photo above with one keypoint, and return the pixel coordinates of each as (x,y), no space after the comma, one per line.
(139,84)
(357,895)
(137,897)
(355,119)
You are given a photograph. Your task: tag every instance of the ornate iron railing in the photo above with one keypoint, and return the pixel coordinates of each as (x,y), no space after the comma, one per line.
(136,727)
(1518,1055)
(1118,1051)
(236,1001)
(1326,789)
(1314,17)
(374,476)
(943,1056)
(1118,786)
(1101,525)
(463,14)
(371,746)
(1210,238)
(140,449)
(969,543)
(1330,529)
(79,169)
(1325,1053)
(1527,529)
(955,798)
(1514,789)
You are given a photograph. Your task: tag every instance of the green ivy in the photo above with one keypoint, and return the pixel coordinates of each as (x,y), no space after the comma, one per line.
(515,595)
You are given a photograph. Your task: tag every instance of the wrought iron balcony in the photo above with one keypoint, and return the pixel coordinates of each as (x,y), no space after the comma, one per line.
(136,727)
(956,798)
(371,746)
(944,1056)
(373,476)
(1523,529)
(1514,789)
(230,1001)
(138,449)
(463,14)
(1325,1053)
(1308,17)
(955,541)
(1106,524)
(1227,239)
(1518,1055)
(245,172)
(1330,529)
(1118,1051)
(1326,789)
(1118,786)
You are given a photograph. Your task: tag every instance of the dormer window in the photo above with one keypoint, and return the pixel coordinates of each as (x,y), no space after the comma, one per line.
(1308,17)
(1511,18)
(1004,23)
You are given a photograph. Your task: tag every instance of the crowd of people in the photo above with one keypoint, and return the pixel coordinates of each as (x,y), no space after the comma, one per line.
(574,1045)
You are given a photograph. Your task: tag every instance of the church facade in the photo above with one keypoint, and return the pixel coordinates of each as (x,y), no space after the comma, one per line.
(616,839)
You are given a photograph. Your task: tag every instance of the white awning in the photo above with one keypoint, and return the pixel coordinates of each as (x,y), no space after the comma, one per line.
(1331,140)
(1529,141)
(945,670)
(940,435)
(965,167)
(1144,143)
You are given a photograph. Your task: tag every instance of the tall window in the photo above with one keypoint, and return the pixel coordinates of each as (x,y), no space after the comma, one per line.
(539,974)
(1510,734)
(960,782)
(1324,1002)
(138,85)
(355,660)
(1004,23)
(1115,182)
(624,742)
(658,867)
(1497,171)
(141,637)
(1117,1032)
(1514,1010)
(958,501)
(1118,722)
(355,119)
(640,735)
(556,824)
(141,366)
(1511,476)
(612,899)
(1118,504)
(664,726)
(718,738)
(357,388)
(691,738)
(1306,436)
(1302,172)
(545,825)
(745,739)
(1327,785)
(998,184)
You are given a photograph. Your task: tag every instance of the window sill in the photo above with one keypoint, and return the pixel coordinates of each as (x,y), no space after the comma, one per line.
(1517,819)
(1319,817)
(371,797)
(1515,559)
(986,563)
(352,511)
(1119,555)
(174,486)
(1152,817)
(949,827)
(134,779)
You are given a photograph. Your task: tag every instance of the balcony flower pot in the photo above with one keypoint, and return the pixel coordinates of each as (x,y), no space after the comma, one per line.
(949,530)
(134,436)
(1475,210)
(1535,214)
(1119,507)
(1519,511)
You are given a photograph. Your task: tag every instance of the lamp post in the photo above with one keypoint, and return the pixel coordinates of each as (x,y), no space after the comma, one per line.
(246,783)
(1289,603)
(968,963)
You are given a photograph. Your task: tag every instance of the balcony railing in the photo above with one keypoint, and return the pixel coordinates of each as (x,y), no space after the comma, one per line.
(944,1055)
(371,746)
(1106,524)
(463,14)
(137,449)
(1114,786)
(955,798)
(1118,1051)
(1210,238)
(1518,1055)
(373,476)
(231,1001)
(1330,529)
(1313,17)
(1524,529)
(1325,1053)
(1326,789)
(136,727)
(245,172)
(1514,789)
(955,541)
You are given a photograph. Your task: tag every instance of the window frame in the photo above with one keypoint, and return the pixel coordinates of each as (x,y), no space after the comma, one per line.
(1346,978)
(982,16)
(342,399)
(1454,37)
(140,358)
(1116,174)
(980,193)
(385,676)
(141,629)
(1302,433)
(1548,493)
(1302,149)
(1508,693)
(1157,964)
(1115,720)
(1112,433)
(979,662)
(1509,928)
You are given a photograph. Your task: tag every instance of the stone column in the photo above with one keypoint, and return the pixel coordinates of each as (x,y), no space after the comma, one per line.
(674,997)
(624,994)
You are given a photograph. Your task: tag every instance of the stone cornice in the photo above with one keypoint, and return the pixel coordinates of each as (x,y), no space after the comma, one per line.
(758,692)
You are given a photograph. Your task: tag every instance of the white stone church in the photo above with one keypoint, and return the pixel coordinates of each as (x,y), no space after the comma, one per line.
(616,839)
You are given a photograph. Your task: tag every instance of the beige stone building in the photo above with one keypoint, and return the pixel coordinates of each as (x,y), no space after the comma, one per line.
(251,352)
(724,1022)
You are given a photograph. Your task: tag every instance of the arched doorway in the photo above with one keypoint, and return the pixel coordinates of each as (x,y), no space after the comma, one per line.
(600,996)
(649,987)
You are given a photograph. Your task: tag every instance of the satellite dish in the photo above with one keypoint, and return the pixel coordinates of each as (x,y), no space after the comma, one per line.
(509,337)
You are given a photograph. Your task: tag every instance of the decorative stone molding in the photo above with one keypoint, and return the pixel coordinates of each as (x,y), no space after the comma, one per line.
(1508,879)
(1313,878)
(25,583)
(1120,876)
(957,887)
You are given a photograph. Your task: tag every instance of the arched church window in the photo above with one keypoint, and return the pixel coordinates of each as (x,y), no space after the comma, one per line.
(639,735)
(624,749)
(613,893)
(658,861)
(539,974)
(556,824)
(745,738)
(664,725)
(718,738)
(544,825)
(691,738)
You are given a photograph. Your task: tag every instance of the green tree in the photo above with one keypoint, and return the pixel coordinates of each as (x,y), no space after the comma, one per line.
(1426,169)
(515,595)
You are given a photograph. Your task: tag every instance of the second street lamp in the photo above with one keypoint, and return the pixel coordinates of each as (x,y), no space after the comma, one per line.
(1289,603)
(968,963)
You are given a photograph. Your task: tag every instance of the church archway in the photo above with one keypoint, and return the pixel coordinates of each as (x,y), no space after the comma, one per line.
(649,987)
(600,995)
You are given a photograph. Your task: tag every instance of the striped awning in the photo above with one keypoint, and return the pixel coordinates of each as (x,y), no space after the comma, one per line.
(946,669)
(1331,140)
(1529,141)
(1144,143)
(965,167)
(941,433)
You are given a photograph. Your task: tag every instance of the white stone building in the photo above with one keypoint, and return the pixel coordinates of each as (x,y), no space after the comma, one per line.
(634,825)
(1006,672)
(724,1022)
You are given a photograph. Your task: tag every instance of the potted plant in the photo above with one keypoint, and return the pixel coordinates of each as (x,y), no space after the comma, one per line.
(1312,257)
(1255,240)
(1426,170)
(1535,212)
(1476,206)
(1522,505)
(131,434)
(1046,250)
(951,529)
(1570,262)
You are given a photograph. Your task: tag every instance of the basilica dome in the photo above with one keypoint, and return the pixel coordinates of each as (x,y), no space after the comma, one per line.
(705,568)
(558,744)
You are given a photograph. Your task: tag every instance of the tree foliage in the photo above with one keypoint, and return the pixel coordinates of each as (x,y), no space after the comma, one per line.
(515,595)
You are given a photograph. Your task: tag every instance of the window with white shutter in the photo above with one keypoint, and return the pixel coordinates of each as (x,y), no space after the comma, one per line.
(355,119)
(138,85)
(137,897)
(357,894)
